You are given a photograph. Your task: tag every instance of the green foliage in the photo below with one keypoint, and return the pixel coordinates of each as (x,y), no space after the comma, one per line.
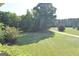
(39,19)
(44,15)
(10,35)
(27,22)
(2,37)
(61,28)
(10,19)
(77,27)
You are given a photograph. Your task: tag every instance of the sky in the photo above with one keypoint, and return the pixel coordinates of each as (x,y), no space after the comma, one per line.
(65,8)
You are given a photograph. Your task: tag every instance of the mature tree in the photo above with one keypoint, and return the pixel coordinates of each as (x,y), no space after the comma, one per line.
(4,17)
(26,22)
(13,20)
(44,16)
(10,19)
(41,18)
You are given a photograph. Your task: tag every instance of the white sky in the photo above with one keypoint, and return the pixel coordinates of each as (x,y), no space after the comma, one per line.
(65,8)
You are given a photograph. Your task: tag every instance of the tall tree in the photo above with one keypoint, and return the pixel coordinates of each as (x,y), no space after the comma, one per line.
(10,19)
(44,15)
(26,21)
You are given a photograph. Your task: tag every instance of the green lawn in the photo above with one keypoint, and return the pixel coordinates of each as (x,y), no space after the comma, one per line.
(72,31)
(43,44)
(69,30)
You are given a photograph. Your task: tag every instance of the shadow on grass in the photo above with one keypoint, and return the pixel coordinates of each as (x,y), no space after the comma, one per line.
(2,53)
(33,37)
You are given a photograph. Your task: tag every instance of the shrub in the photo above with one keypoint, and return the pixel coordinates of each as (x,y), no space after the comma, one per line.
(74,27)
(61,28)
(1,33)
(10,35)
(77,27)
(2,38)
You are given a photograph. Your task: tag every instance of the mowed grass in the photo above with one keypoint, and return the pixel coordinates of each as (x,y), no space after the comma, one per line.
(69,30)
(72,31)
(43,44)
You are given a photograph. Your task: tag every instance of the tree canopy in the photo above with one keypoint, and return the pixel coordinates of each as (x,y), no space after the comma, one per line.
(40,18)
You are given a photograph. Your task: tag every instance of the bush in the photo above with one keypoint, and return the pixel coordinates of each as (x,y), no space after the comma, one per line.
(61,28)
(1,33)
(74,27)
(1,38)
(10,35)
(77,27)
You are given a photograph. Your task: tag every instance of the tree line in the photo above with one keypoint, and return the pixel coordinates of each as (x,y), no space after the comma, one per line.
(39,18)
